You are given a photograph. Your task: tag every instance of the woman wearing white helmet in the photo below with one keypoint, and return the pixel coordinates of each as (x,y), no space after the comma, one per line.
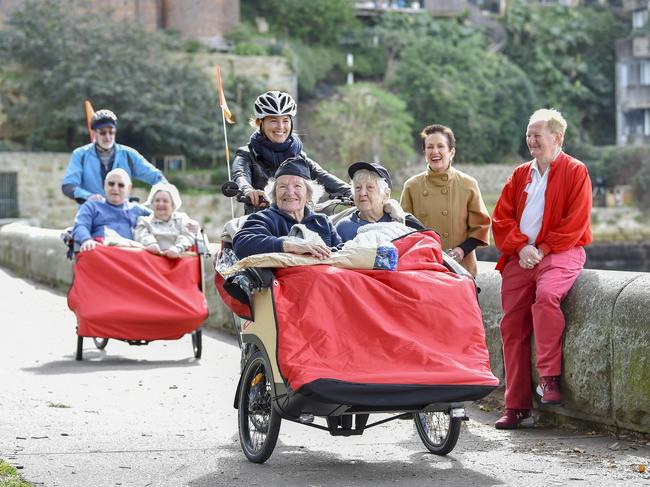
(271,144)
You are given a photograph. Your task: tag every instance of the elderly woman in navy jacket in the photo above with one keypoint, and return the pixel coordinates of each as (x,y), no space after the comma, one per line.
(291,190)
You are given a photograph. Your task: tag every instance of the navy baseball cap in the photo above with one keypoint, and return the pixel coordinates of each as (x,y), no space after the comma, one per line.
(371,166)
(294,166)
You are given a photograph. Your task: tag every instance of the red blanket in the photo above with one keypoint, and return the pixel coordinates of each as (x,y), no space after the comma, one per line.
(135,295)
(419,325)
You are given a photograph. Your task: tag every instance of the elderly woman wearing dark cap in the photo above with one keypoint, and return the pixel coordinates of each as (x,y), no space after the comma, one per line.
(167,231)
(371,188)
(290,193)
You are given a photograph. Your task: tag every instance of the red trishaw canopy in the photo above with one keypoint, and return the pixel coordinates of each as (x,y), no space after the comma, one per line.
(131,294)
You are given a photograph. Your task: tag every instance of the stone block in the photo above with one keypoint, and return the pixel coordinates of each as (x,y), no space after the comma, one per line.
(587,367)
(630,352)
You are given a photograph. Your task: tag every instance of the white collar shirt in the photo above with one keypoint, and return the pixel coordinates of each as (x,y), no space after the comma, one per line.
(531,218)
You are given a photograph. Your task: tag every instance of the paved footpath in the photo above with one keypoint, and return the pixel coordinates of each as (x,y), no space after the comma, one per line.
(155,416)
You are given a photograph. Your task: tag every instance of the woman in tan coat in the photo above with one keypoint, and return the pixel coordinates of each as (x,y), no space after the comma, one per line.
(448,200)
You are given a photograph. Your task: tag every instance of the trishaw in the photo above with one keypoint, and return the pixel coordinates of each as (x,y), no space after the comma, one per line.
(128,294)
(326,346)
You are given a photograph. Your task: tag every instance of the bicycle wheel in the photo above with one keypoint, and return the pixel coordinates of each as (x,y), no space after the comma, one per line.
(259,422)
(438,431)
(100,343)
(197,342)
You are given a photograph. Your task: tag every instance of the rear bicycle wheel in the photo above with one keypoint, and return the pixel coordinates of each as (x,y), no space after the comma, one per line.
(100,343)
(259,422)
(438,431)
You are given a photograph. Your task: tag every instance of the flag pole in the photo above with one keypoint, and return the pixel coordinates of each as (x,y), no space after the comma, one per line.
(225,138)
(224,107)
(88,108)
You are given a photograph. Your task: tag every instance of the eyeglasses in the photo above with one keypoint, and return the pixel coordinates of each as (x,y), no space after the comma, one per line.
(113,183)
(104,133)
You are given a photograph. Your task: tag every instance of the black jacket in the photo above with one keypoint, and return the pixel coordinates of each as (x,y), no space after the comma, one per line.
(249,171)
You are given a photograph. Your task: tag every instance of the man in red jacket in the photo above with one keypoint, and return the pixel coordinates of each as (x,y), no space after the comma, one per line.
(540,225)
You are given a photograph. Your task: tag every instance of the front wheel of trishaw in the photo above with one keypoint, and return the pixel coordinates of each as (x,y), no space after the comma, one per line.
(438,431)
(259,422)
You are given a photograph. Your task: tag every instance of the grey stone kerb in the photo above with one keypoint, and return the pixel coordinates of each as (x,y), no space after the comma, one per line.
(606,356)
(606,369)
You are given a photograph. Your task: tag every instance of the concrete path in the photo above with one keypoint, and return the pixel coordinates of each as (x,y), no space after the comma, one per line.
(155,416)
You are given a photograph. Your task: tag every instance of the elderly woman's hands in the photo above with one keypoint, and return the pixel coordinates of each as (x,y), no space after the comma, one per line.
(172,253)
(316,250)
(530,256)
(153,248)
(456,253)
(89,244)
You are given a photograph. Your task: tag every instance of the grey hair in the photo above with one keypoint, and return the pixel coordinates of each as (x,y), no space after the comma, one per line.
(314,190)
(365,175)
(120,172)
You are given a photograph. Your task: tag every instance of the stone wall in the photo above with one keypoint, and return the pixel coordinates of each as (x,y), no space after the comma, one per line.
(606,362)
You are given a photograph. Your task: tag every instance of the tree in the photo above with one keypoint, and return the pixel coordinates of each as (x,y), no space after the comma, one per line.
(53,59)
(446,76)
(363,122)
(568,53)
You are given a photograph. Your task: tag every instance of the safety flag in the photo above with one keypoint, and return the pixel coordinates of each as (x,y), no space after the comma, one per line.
(89,116)
(222,100)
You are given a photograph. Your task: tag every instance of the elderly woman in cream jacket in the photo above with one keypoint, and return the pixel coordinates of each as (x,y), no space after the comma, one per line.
(167,231)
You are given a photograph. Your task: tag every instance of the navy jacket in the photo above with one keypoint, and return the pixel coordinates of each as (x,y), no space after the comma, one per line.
(261,232)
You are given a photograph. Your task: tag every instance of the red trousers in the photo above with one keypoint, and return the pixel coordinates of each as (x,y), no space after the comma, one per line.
(531,303)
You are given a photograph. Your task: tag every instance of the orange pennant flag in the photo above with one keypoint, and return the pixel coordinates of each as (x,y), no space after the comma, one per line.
(89,116)
(222,99)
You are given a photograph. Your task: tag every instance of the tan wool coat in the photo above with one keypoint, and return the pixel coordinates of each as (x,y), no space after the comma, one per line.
(449,202)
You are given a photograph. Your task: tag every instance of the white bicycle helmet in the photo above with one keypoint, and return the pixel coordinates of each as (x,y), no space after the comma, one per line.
(102,118)
(275,103)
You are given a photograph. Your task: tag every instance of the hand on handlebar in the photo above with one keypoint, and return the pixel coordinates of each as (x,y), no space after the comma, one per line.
(319,251)
(258,198)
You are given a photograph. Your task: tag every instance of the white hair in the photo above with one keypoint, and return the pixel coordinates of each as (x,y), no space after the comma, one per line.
(121,173)
(366,175)
(553,118)
(168,188)
(314,190)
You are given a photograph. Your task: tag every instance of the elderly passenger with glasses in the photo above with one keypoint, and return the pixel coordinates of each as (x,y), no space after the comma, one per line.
(115,212)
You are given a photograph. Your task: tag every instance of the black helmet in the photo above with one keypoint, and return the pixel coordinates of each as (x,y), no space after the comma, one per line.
(275,103)
(102,118)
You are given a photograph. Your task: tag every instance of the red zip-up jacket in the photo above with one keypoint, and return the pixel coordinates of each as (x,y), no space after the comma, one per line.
(567,209)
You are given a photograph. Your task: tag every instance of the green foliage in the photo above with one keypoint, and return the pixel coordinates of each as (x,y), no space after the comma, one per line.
(250,49)
(568,53)
(364,122)
(618,165)
(446,76)
(9,476)
(311,22)
(57,59)
(313,64)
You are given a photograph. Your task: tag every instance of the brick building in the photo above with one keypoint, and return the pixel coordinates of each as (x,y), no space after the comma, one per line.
(206,20)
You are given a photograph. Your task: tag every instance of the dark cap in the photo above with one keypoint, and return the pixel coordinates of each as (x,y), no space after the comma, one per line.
(371,166)
(294,166)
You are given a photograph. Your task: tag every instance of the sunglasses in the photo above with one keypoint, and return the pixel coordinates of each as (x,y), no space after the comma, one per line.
(113,183)
(104,133)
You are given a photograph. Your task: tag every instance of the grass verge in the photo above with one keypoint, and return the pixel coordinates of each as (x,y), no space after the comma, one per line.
(9,476)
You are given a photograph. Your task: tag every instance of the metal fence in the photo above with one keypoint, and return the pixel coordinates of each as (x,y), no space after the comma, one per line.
(8,195)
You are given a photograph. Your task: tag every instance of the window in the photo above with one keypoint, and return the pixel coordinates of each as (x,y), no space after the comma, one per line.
(639,18)
(8,195)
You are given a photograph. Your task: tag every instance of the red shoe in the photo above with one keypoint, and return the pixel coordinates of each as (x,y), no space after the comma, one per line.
(512,419)
(549,390)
